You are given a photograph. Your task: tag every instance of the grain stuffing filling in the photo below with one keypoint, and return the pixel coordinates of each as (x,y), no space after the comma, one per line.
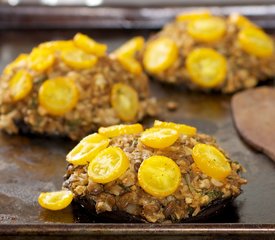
(237,43)
(127,193)
(99,86)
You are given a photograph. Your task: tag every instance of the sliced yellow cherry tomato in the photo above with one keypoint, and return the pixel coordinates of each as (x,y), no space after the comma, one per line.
(122,129)
(108,165)
(20,85)
(189,16)
(87,149)
(124,100)
(207,30)
(58,95)
(181,128)
(58,45)
(41,59)
(130,64)
(159,137)
(211,161)
(241,21)
(21,58)
(76,58)
(129,48)
(159,176)
(256,42)
(160,54)
(206,67)
(55,200)
(89,45)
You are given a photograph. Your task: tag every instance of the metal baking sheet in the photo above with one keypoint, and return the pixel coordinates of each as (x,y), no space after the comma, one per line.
(68,14)
(31,164)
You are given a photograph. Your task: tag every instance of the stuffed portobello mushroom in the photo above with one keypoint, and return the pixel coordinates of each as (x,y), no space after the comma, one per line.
(167,173)
(71,88)
(207,52)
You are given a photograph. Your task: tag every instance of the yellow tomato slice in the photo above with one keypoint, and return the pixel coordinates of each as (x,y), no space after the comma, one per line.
(124,100)
(256,42)
(78,59)
(206,67)
(55,200)
(207,30)
(160,54)
(108,165)
(58,95)
(159,137)
(129,48)
(41,59)
(20,85)
(130,64)
(122,129)
(89,45)
(241,21)
(87,149)
(189,16)
(181,128)
(58,45)
(21,58)
(211,161)
(159,176)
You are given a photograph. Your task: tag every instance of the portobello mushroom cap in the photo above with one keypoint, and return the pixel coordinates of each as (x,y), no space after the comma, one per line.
(91,99)
(220,54)
(125,199)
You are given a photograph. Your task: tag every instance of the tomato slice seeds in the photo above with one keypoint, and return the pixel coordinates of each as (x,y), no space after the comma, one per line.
(207,30)
(159,176)
(78,59)
(159,55)
(189,16)
(206,67)
(89,45)
(87,149)
(108,165)
(122,129)
(124,100)
(130,48)
(41,59)
(211,161)
(58,95)
(55,200)
(181,128)
(256,42)
(159,137)
(20,85)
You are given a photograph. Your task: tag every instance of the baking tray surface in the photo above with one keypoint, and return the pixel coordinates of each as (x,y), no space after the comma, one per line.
(58,14)
(31,164)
